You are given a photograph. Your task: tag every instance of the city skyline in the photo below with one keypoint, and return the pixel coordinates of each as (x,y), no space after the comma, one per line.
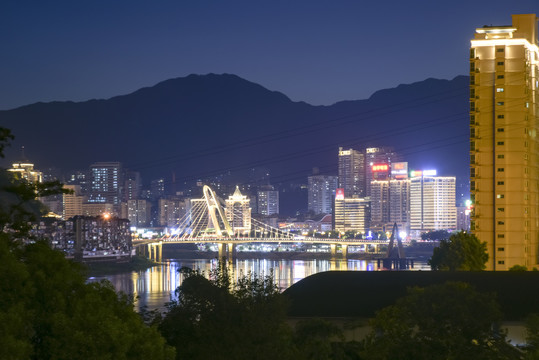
(311,51)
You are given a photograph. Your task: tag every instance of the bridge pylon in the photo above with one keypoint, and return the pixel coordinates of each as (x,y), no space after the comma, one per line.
(333,250)
(226,250)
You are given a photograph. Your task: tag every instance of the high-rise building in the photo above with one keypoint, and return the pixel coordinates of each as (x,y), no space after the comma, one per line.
(172,211)
(132,185)
(321,193)
(106,183)
(432,202)
(72,202)
(268,202)
(399,203)
(351,214)
(504,146)
(238,212)
(379,205)
(378,163)
(352,172)
(390,204)
(157,188)
(139,212)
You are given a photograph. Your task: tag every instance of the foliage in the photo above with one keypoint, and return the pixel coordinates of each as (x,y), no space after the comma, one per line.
(435,235)
(462,251)
(532,336)
(318,339)
(214,318)
(47,310)
(518,268)
(19,206)
(5,137)
(448,321)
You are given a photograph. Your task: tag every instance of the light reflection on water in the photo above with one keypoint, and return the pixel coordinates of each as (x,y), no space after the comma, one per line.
(156,286)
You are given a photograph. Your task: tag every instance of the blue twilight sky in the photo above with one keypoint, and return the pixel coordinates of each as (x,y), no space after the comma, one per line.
(314,51)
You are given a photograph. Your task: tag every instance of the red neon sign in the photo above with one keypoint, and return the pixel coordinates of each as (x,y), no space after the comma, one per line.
(380,167)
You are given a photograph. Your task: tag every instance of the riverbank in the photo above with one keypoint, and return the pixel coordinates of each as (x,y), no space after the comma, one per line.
(136,263)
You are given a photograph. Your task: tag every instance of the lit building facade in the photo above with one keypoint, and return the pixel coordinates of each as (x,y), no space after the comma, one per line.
(268,202)
(375,159)
(390,204)
(172,211)
(132,185)
(238,212)
(351,214)
(432,202)
(24,170)
(379,205)
(72,202)
(98,209)
(504,143)
(105,183)
(399,203)
(352,172)
(90,237)
(321,193)
(139,212)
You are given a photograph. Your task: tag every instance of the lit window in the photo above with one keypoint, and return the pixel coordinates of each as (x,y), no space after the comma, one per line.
(499,89)
(499,196)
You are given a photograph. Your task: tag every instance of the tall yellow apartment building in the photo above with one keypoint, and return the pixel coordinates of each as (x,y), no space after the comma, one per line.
(504,143)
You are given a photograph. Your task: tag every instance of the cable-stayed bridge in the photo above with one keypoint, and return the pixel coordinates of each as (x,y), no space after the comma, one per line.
(211,220)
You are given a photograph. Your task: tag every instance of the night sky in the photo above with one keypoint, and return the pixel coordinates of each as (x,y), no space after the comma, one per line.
(314,51)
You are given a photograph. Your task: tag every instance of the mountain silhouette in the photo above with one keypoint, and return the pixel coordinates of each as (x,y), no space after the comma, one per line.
(203,125)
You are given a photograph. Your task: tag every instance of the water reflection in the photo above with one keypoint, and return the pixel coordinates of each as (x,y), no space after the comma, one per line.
(156,286)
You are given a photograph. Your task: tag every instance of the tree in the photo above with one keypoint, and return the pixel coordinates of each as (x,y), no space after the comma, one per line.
(462,251)
(447,321)
(318,339)
(518,268)
(532,336)
(435,235)
(214,318)
(47,309)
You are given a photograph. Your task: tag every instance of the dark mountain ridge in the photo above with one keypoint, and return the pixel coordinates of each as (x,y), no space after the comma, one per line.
(200,125)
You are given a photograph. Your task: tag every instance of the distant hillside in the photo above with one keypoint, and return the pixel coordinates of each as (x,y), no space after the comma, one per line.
(204,124)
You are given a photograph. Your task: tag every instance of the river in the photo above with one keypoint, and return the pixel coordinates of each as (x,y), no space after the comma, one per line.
(156,286)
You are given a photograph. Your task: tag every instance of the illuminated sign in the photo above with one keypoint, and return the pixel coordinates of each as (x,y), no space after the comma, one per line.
(380,167)
(372,150)
(339,194)
(418,173)
(399,170)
